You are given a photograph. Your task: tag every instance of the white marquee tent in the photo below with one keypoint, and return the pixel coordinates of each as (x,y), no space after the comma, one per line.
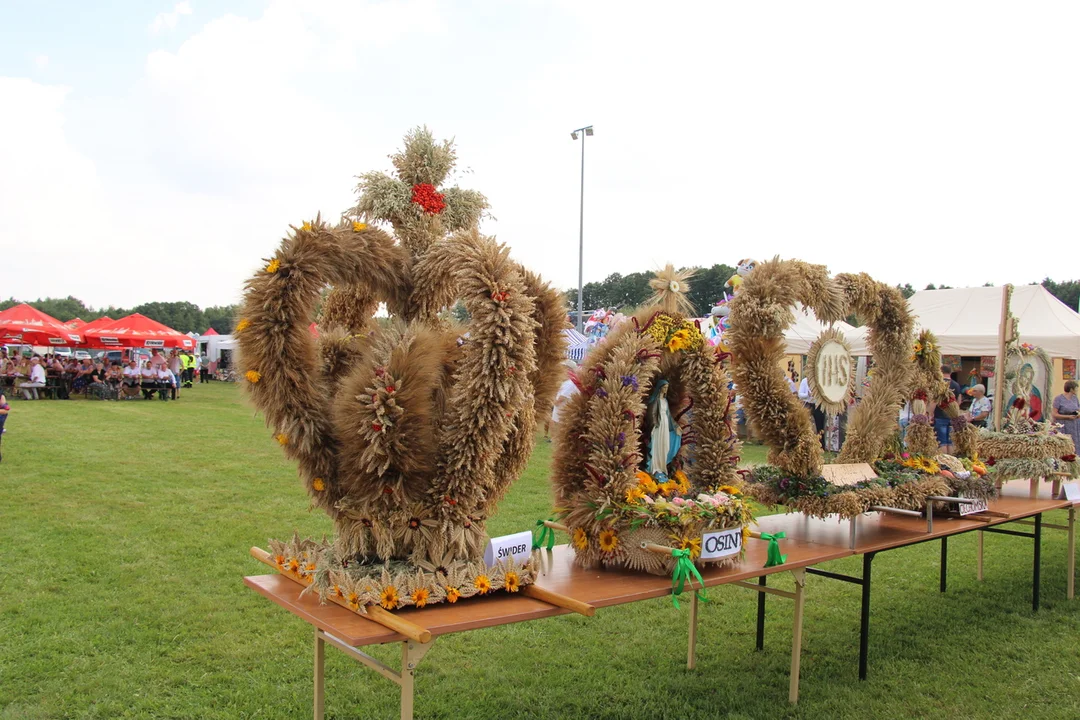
(966,320)
(806,329)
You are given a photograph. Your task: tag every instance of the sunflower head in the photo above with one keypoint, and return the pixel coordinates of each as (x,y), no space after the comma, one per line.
(318,485)
(253,376)
(482,583)
(609,540)
(273,266)
(388,598)
(452,594)
(420,597)
(580,539)
(511,581)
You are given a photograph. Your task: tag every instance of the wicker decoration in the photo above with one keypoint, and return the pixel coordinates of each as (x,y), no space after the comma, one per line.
(832,406)
(406,432)
(607,500)
(760,312)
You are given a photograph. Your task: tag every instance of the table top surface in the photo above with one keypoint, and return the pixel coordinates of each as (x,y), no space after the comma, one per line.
(1022,489)
(884,531)
(558,573)
(808,541)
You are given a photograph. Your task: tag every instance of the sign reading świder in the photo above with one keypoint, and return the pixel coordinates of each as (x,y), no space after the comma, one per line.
(517,546)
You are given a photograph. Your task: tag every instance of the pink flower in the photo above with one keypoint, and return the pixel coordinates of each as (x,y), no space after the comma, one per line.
(678,502)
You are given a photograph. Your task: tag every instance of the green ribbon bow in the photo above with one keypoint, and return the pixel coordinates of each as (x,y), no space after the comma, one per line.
(774,558)
(547,535)
(685,572)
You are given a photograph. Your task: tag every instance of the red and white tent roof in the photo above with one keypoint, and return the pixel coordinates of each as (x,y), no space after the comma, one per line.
(138,331)
(30,326)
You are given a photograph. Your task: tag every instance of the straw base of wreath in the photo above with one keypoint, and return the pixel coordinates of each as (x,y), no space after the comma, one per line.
(1007,469)
(394,585)
(1001,445)
(627,551)
(852,503)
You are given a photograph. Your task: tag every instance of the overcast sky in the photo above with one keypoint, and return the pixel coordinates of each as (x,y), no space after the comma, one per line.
(157,150)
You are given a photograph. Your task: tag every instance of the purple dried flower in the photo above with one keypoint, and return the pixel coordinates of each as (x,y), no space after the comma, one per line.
(631,381)
(601,392)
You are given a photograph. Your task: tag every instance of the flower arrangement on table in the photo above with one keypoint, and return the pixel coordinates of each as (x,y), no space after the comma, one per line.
(1025,449)
(407,433)
(760,313)
(646,452)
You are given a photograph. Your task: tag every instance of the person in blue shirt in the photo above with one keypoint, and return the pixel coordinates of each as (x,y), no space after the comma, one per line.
(942,422)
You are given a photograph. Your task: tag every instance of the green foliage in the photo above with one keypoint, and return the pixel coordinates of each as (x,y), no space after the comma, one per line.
(122,598)
(625,292)
(1067,291)
(906,290)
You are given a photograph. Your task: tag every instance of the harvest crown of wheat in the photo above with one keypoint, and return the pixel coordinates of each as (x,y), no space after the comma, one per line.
(406,430)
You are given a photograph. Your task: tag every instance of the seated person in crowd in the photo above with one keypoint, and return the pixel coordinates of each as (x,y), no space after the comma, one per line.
(166,381)
(36,379)
(149,380)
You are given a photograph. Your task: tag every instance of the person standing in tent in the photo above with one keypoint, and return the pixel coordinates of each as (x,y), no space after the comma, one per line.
(1066,410)
(942,422)
(204,369)
(175,367)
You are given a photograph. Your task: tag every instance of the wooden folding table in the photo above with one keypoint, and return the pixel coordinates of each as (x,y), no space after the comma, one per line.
(599,588)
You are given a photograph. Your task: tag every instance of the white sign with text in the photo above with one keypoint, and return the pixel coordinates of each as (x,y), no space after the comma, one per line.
(1071,492)
(978,506)
(517,546)
(716,545)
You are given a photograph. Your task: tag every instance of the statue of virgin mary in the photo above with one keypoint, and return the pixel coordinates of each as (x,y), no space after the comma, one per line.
(666,437)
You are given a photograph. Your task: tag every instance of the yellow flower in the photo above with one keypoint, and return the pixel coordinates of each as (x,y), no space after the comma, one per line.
(745,534)
(354,601)
(253,376)
(389,597)
(294,565)
(682,482)
(646,483)
(667,488)
(730,490)
(609,540)
(279,560)
(680,339)
(482,584)
(420,597)
(307,226)
(282,439)
(318,485)
(241,326)
(337,591)
(581,540)
(511,581)
(273,266)
(359,226)
(452,594)
(310,567)
(687,543)
(634,495)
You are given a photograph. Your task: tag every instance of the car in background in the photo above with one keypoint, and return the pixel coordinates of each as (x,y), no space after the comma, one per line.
(122,356)
(64,352)
(81,355)
(15,350)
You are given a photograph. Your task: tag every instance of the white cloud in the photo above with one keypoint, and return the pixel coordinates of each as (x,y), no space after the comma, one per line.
(168,20)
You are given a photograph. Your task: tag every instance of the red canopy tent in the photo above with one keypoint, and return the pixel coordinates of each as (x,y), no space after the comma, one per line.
(209,332)
(30,326)
(76,323)
(137,331)
(95,324)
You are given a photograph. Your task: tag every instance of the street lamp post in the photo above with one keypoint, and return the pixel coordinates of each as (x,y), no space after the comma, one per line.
(584,131)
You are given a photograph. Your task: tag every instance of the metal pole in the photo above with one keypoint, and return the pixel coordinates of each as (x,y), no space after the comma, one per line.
(581,246)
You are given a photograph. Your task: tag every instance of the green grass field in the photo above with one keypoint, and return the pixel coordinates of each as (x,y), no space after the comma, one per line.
(124,537)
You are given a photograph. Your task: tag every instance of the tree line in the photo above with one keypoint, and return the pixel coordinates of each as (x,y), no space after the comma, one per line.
(183,316)
(622,292)
(625,292)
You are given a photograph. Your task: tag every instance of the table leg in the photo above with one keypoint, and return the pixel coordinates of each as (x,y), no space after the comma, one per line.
(320,654)
(1036,570)
(412,653)
(691,652)
(1070,582)
(761,615)
(944,562)
(864,624)
(796,635)
(979,554)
